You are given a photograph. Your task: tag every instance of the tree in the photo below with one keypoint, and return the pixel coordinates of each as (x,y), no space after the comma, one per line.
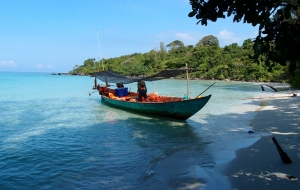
(279,26)
(209,40)
(247,43)
(162,51)
(175,44)
(231,62)
(75,67)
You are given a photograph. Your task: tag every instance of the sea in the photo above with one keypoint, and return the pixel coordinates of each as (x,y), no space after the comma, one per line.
(55,133)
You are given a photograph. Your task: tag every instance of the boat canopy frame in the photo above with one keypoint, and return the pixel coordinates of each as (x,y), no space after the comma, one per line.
(113,77)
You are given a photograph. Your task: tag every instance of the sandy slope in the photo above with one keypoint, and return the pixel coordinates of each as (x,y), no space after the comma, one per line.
(260,166)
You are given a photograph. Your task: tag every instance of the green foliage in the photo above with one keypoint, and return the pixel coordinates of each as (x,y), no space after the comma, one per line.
(175,44)
(295,80)
(278,37)
(209,40)
(231,62)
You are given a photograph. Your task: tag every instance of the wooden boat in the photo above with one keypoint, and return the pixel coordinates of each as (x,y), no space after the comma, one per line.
(173,107)
(168,106)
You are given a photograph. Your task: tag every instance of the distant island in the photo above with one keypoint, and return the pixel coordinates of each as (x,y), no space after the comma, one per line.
(231,63)
(79,74)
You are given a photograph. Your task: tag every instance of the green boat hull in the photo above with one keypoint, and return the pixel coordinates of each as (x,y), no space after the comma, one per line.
(180,110)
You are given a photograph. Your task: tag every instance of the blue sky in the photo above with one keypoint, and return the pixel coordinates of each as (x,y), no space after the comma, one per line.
(54,36)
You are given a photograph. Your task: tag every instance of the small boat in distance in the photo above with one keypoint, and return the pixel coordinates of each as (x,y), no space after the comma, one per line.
(180,108)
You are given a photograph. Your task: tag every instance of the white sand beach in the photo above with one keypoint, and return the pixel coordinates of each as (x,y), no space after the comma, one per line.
(260,166)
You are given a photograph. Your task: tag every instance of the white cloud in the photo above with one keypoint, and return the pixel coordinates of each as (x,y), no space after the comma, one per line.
(187,38)
(228,37)
(41,66)
(184,36)
(224,34)
(7,64)
(225,37)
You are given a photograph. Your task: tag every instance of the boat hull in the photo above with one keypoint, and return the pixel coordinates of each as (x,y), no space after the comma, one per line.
(180,110)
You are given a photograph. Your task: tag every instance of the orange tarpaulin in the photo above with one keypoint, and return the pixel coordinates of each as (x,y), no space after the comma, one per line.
(111,95)
(154,97)
(122,98)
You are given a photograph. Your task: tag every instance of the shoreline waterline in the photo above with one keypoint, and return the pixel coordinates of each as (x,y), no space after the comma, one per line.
(258,165)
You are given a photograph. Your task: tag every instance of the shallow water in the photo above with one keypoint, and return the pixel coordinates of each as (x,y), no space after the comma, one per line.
(55,136)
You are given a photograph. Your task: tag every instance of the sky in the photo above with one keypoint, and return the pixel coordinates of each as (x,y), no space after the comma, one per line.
(56,35)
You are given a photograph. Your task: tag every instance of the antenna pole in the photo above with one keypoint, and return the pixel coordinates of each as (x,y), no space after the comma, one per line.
(187,81)
(100,51)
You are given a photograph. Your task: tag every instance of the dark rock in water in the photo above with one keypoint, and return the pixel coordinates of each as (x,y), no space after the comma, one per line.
(291,176)
(150,172)
(250,131)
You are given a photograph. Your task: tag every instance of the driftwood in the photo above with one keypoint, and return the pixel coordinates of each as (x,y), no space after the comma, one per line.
(272,88)
(284,157)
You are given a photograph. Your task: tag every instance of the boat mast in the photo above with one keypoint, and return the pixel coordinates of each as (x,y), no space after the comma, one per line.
(187,81)
(95,80)
(100,51)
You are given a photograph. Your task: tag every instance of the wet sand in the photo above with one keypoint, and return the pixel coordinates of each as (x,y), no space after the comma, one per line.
(260,166)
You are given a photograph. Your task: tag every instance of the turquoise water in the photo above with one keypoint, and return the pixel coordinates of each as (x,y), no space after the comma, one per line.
(55,136)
